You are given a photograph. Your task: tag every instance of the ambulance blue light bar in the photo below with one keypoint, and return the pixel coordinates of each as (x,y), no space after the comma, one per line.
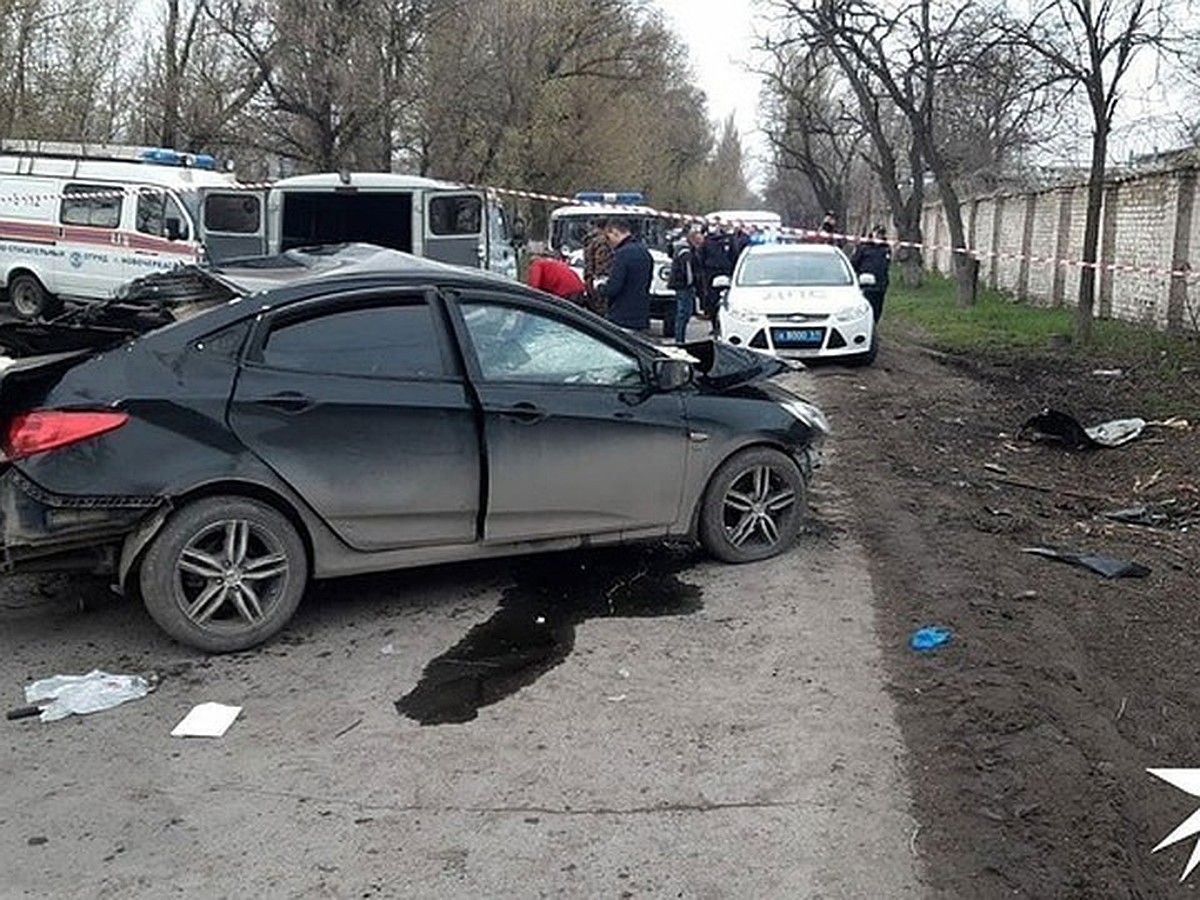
(623,197)
(162,157)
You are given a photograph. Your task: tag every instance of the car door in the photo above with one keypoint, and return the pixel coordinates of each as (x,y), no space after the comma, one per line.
(359,407)
(455,228)
(233,224)
(575,442)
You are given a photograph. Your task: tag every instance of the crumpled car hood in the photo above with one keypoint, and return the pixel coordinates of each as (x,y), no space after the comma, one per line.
(722,366)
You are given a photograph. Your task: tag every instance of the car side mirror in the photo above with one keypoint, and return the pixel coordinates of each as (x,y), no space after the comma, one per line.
(721,281)
(866,279)
(174,229)
(672,374)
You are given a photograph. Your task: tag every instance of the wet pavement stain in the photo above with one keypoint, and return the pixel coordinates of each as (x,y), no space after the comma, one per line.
(533,630)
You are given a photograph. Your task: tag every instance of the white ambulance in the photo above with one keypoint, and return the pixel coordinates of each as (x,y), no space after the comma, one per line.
(79,221)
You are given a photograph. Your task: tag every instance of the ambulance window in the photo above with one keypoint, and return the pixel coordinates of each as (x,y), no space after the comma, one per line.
(232,213)
(100,205)
(456,214)
(155,213)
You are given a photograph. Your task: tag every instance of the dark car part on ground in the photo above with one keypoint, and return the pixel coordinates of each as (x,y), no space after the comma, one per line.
(219,448)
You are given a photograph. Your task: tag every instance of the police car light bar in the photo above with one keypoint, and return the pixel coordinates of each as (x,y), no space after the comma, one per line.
(627,198)
(162,157)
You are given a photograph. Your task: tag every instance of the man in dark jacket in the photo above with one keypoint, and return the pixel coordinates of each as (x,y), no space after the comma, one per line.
(686,276)
(717,258)
(874,256)
(628,287)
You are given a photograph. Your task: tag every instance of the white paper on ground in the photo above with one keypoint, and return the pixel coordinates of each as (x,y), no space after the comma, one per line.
(207,720)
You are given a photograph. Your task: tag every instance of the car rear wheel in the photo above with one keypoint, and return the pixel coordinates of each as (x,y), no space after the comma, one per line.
(224,574)
(754,506)
(28,298)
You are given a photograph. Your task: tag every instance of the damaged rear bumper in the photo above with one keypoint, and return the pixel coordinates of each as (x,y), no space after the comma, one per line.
(41,531)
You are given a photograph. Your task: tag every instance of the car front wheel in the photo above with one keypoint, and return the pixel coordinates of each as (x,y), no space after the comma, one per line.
(224,574)
(754,506)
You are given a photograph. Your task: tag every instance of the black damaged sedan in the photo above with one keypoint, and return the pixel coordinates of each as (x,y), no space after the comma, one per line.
(215,439)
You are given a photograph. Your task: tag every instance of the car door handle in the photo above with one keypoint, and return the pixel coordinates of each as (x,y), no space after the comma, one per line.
(524,413)
(290,402)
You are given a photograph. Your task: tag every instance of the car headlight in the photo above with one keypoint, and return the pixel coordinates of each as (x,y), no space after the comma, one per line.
(852,311)
(807,413)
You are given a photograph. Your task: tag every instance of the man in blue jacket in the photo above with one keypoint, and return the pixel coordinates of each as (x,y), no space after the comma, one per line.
(628,285)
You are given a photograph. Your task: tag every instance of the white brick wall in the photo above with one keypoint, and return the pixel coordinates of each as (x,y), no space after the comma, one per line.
(1145,236)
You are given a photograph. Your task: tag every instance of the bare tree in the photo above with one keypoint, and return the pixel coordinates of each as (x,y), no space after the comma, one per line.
(333,73)
(59,62)
(812,128)
(968,99)
(1092,45)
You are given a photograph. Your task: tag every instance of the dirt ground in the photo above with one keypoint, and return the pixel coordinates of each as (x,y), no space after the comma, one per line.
(1030,733)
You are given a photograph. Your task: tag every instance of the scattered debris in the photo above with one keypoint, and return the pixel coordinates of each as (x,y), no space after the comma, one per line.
(63,695)
(995,467)
(1137,515)
(206,720)
(1057,426)
(1139,486)
(1108,566)
(619,698)
(929,638)
(1176,422)
(349,728)
(1107,373)
(1026,595)
(387,649)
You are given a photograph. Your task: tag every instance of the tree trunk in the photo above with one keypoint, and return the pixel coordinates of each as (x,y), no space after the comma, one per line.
(169,132)
(1085,310)
(966,267)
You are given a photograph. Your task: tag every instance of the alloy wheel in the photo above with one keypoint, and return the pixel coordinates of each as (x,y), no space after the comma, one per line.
(231,573)
(755,506)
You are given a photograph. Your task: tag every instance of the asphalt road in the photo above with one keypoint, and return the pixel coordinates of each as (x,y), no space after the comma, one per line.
(637,723)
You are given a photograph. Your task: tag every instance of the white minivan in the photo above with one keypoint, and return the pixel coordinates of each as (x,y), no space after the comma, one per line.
(79,222)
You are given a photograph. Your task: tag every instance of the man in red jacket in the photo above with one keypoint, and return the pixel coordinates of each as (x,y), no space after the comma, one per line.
(554,276)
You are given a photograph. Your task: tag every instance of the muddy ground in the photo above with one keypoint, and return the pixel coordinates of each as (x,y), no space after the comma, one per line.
(1030,733)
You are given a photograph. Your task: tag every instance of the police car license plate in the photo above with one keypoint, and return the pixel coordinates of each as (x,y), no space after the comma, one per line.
(798,337)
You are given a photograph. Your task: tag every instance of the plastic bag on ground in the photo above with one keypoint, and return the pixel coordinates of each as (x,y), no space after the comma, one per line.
(82,694)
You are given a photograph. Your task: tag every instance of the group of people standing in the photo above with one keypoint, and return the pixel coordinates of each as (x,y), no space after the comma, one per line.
(618,271)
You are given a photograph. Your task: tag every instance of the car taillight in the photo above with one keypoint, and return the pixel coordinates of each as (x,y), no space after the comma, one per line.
(41,430)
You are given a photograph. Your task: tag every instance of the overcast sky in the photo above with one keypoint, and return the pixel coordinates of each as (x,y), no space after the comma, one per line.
(720,36)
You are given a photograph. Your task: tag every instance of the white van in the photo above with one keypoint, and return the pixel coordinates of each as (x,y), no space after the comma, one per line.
(78,222)
(763,223)
(434,219)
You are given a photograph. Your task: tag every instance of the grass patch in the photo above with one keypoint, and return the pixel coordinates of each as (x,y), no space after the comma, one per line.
(1166,365)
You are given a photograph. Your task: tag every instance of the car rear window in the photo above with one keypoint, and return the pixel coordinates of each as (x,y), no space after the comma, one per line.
(794,269)
(394,341)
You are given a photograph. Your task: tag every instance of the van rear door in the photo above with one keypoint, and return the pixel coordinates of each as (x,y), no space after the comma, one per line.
(456,228)
(233,223)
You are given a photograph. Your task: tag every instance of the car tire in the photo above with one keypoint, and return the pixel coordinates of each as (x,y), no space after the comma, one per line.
(224,574)
(754,506)
(28,298)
